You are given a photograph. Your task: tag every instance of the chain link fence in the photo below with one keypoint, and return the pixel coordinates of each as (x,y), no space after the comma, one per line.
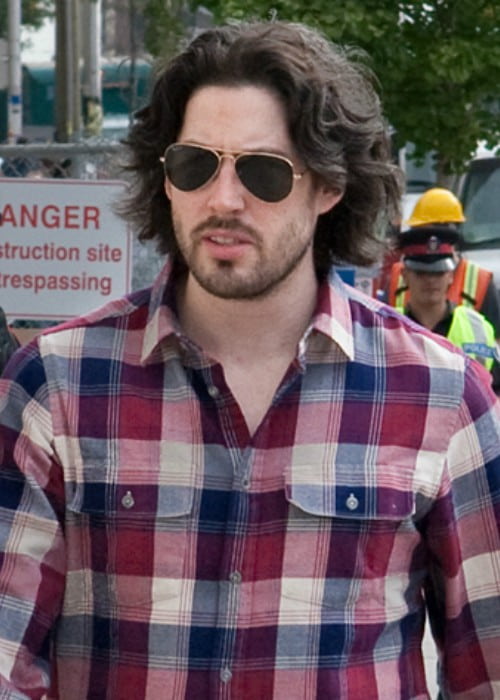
(79,160)
(88,160)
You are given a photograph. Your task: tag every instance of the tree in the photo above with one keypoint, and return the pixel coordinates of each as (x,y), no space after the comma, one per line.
(33,13)
(163,26)
(437,63)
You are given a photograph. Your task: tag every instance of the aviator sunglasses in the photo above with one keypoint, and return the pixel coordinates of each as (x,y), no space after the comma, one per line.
(268,176)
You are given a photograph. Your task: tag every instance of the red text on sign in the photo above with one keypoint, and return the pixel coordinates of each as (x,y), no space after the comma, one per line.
(69,216)
(104,253)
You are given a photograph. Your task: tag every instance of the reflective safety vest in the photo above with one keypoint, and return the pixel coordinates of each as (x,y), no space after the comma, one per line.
(469,285)
(473,334)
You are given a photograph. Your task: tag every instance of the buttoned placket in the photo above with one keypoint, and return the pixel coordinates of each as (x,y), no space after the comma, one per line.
(229,599)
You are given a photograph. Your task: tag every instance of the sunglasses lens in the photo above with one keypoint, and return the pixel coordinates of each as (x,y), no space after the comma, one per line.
(267,177)
(189,167)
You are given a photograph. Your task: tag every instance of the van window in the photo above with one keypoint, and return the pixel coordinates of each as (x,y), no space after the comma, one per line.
(481,202)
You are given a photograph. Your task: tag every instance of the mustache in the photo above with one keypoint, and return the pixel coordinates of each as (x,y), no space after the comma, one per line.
(230,224)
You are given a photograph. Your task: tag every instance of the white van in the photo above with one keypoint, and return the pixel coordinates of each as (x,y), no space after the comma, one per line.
(479,191)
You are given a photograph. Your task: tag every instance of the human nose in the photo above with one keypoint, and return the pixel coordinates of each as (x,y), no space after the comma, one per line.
(226,189)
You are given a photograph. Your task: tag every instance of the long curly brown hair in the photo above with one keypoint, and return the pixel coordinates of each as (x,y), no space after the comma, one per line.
(334,118)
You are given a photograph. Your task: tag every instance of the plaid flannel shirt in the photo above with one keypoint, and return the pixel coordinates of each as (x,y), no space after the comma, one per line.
(152,549)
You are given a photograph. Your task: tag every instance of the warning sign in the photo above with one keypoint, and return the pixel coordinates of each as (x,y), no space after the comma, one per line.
(63,251)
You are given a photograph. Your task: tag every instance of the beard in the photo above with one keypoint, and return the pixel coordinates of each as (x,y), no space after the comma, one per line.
(225,278)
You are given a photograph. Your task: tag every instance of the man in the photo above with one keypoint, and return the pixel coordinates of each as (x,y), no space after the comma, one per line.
(429,262)
(473,286)
(245,482)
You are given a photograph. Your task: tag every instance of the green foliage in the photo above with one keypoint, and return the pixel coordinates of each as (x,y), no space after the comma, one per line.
(438,63)
(33,13)
(163,26)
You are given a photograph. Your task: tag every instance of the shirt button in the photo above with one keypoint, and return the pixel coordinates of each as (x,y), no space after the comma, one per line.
(128,500)
(225,675)
(213,392)
(352,502)
(246,483)
(235,577)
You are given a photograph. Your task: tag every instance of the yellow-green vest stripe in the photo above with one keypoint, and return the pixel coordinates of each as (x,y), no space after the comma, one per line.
(470,284)
(471,332)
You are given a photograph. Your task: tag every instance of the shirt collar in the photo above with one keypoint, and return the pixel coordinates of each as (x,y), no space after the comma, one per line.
(332,316)
(162,317)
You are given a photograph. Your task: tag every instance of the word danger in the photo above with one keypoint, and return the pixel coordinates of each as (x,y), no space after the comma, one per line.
(69,216)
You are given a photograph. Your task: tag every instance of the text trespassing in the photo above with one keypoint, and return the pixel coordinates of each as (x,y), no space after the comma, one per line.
(82,282)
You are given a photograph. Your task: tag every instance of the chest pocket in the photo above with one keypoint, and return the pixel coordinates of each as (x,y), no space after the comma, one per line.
(353,542)
(353,501)
(128,542)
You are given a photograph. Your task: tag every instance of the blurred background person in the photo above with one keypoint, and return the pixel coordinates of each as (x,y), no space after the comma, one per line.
(438,211)
(428,267)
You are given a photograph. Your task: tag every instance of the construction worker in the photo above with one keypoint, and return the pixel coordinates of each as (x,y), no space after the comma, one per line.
(438,210)
(428,266)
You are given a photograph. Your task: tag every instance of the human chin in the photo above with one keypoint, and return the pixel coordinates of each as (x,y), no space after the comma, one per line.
(256,273)
(228,281)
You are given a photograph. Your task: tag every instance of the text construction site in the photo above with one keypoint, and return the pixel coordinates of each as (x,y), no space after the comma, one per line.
(63,250)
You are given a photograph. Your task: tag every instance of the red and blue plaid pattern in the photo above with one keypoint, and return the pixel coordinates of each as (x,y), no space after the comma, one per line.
(163,552)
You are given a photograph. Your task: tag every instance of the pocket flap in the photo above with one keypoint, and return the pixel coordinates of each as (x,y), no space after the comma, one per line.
(389,499)
(99,495)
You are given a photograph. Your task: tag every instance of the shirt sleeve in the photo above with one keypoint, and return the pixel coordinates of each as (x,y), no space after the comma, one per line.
(31,543)
(462,534)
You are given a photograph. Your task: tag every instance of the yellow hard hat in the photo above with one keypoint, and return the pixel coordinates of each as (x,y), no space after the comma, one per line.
(437,206)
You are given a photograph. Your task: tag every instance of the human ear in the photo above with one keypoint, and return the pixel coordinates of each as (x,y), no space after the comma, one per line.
(328,197)
(168,188)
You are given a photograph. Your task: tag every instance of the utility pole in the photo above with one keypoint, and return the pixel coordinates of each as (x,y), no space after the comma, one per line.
(15,105)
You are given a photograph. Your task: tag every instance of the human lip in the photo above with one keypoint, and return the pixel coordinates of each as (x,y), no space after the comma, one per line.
(227,238)
(226,245)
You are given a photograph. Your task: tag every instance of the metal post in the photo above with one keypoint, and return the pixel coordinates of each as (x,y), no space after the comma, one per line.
(133,60)
(64,95)
(75,70)
(15,106)
(92,79)
(68,97)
